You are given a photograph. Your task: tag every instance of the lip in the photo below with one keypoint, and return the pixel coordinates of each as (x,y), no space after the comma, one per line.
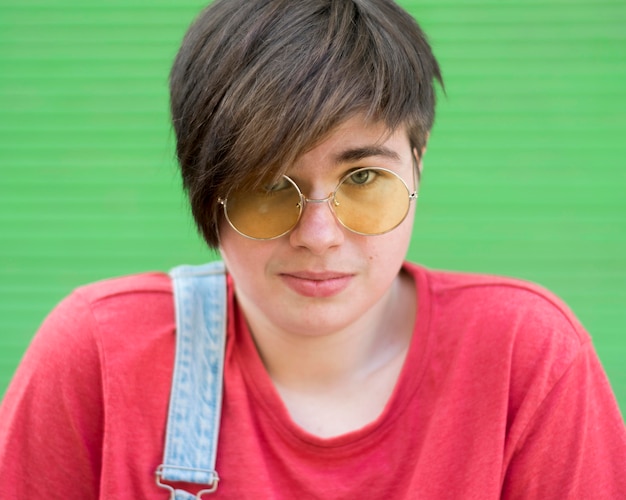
(318,285)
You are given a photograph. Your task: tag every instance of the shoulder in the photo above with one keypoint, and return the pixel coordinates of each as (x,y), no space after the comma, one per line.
(96,335)
(523,333)
(105,344)
(500,303)
(514,339)
(130,299)
(125,288)
(116,306)
(100,318)
(129,318)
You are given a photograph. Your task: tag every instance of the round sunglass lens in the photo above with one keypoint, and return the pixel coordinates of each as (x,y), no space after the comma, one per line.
(371,201)
(264,213)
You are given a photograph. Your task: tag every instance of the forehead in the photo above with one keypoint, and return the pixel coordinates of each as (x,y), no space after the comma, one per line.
(357,139)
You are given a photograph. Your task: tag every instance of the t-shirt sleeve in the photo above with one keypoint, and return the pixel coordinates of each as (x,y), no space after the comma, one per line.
(574,446)
(51,416)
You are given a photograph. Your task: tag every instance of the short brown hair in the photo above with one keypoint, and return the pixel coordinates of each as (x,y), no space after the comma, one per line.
(257,83)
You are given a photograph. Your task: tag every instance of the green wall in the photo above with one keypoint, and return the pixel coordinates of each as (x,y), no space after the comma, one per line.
(523,176)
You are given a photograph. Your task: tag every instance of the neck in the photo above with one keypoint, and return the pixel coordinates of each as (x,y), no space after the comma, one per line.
(310,363)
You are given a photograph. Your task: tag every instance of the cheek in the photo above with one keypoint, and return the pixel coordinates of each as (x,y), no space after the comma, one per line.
(234,251)
(389,250)
(406,228)
(245,259)
(400,238)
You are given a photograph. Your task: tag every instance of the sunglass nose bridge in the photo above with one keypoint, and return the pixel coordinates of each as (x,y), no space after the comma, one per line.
(330,199)
(318,200)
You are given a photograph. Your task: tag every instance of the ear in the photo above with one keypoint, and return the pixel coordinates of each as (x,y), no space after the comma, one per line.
(420,154)
(418,159)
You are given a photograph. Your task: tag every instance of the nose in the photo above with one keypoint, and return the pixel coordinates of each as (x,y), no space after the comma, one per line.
(318,229)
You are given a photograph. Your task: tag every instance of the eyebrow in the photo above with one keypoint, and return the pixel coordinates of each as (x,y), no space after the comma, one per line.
(355,154)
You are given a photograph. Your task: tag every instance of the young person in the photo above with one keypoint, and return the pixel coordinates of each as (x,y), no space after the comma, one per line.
(301,128)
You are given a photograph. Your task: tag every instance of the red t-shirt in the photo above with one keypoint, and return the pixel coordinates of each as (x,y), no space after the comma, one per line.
(501,396)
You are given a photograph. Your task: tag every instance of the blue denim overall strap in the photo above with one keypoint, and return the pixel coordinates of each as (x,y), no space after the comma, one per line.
(196,396)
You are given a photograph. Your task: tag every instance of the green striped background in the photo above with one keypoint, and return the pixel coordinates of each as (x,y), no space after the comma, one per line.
(524,173)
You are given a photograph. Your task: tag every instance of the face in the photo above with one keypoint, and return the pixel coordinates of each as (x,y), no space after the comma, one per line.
(321,278)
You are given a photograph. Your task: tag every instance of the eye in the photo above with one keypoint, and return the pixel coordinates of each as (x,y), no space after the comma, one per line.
(280,185)
(361,176)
